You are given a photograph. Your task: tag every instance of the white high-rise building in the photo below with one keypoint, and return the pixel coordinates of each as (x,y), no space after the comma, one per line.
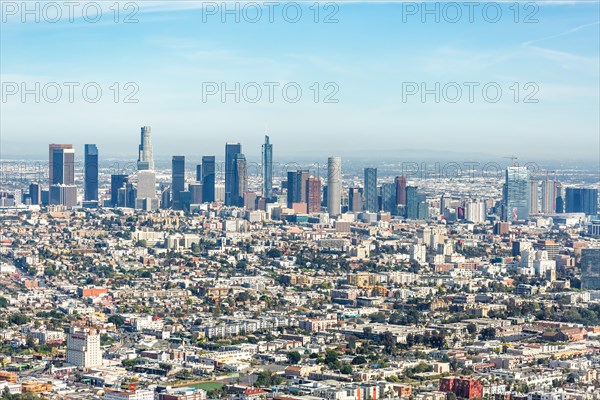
(550,192)
(83,347)
(145,155)
(475,212)
(334,186)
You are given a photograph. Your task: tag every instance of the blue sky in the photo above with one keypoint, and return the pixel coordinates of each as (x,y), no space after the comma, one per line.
(371,53)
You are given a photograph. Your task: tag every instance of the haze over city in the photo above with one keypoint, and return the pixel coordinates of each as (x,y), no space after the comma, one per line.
(371,51)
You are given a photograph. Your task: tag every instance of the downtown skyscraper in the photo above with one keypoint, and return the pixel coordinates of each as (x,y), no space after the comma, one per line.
(231,184)
(296,187)
(516,194)
(146,177)
(145,152)
(177,180)
(582,200)
(370,190)
(62,190)
(267,168)
(240,180)
(208,178)
(51,168)
(90,182)
(313,195)
(334,186)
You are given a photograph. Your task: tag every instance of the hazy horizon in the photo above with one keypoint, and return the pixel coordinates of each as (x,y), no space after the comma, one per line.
(373,54)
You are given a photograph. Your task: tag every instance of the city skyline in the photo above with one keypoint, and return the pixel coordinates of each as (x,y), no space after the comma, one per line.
(299,200)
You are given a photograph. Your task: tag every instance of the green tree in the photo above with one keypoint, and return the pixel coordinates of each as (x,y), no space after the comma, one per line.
(346,369)
(359,360)
(117,320)
(294,357)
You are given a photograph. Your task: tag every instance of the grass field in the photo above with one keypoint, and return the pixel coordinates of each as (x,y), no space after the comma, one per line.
(208,386)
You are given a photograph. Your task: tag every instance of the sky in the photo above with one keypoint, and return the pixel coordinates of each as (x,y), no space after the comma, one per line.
(391,78)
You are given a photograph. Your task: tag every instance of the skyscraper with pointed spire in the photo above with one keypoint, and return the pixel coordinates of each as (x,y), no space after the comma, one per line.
(267,167)
(145,154)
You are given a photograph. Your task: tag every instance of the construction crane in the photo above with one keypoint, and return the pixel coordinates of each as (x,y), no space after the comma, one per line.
(513,159)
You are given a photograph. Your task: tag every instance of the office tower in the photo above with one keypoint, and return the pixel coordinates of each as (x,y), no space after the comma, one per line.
(412,202)
(250,201)
(445,203)
(62,190)
(62,164)
(388,198)
(370,190)
(90,185)
(146,190)
(313,195)
(65,195)
(475,211)
(83,347)
(534,197)
(145,153)
(199,173)
(208,178)
(185,200)
(240,180)
(296,187)
(267,168)
(51,148)
(177,180)
(116,182)
(35,193)
(355,199)
(165,197)
(400,190)
(195,193)
(334,186)
(590,268)
(551,191)
(127,195)
(560,203)
(582,200)
(516,194)
(220,193)
(231,151)
(416,204)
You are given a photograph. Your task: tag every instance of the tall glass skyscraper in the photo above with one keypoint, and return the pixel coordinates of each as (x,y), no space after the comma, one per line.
(177,180)
(240,179)
(370,191)
(116,182)
(516,194)
(412,202)
(231,151)
(90,185)
(145,152)
(590,268)
(51,148)
(582,200)
(208,178)
(267,168)
(296,187)
(388,198)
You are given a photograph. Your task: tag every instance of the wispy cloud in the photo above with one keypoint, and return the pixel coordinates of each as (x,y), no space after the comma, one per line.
(565,33)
